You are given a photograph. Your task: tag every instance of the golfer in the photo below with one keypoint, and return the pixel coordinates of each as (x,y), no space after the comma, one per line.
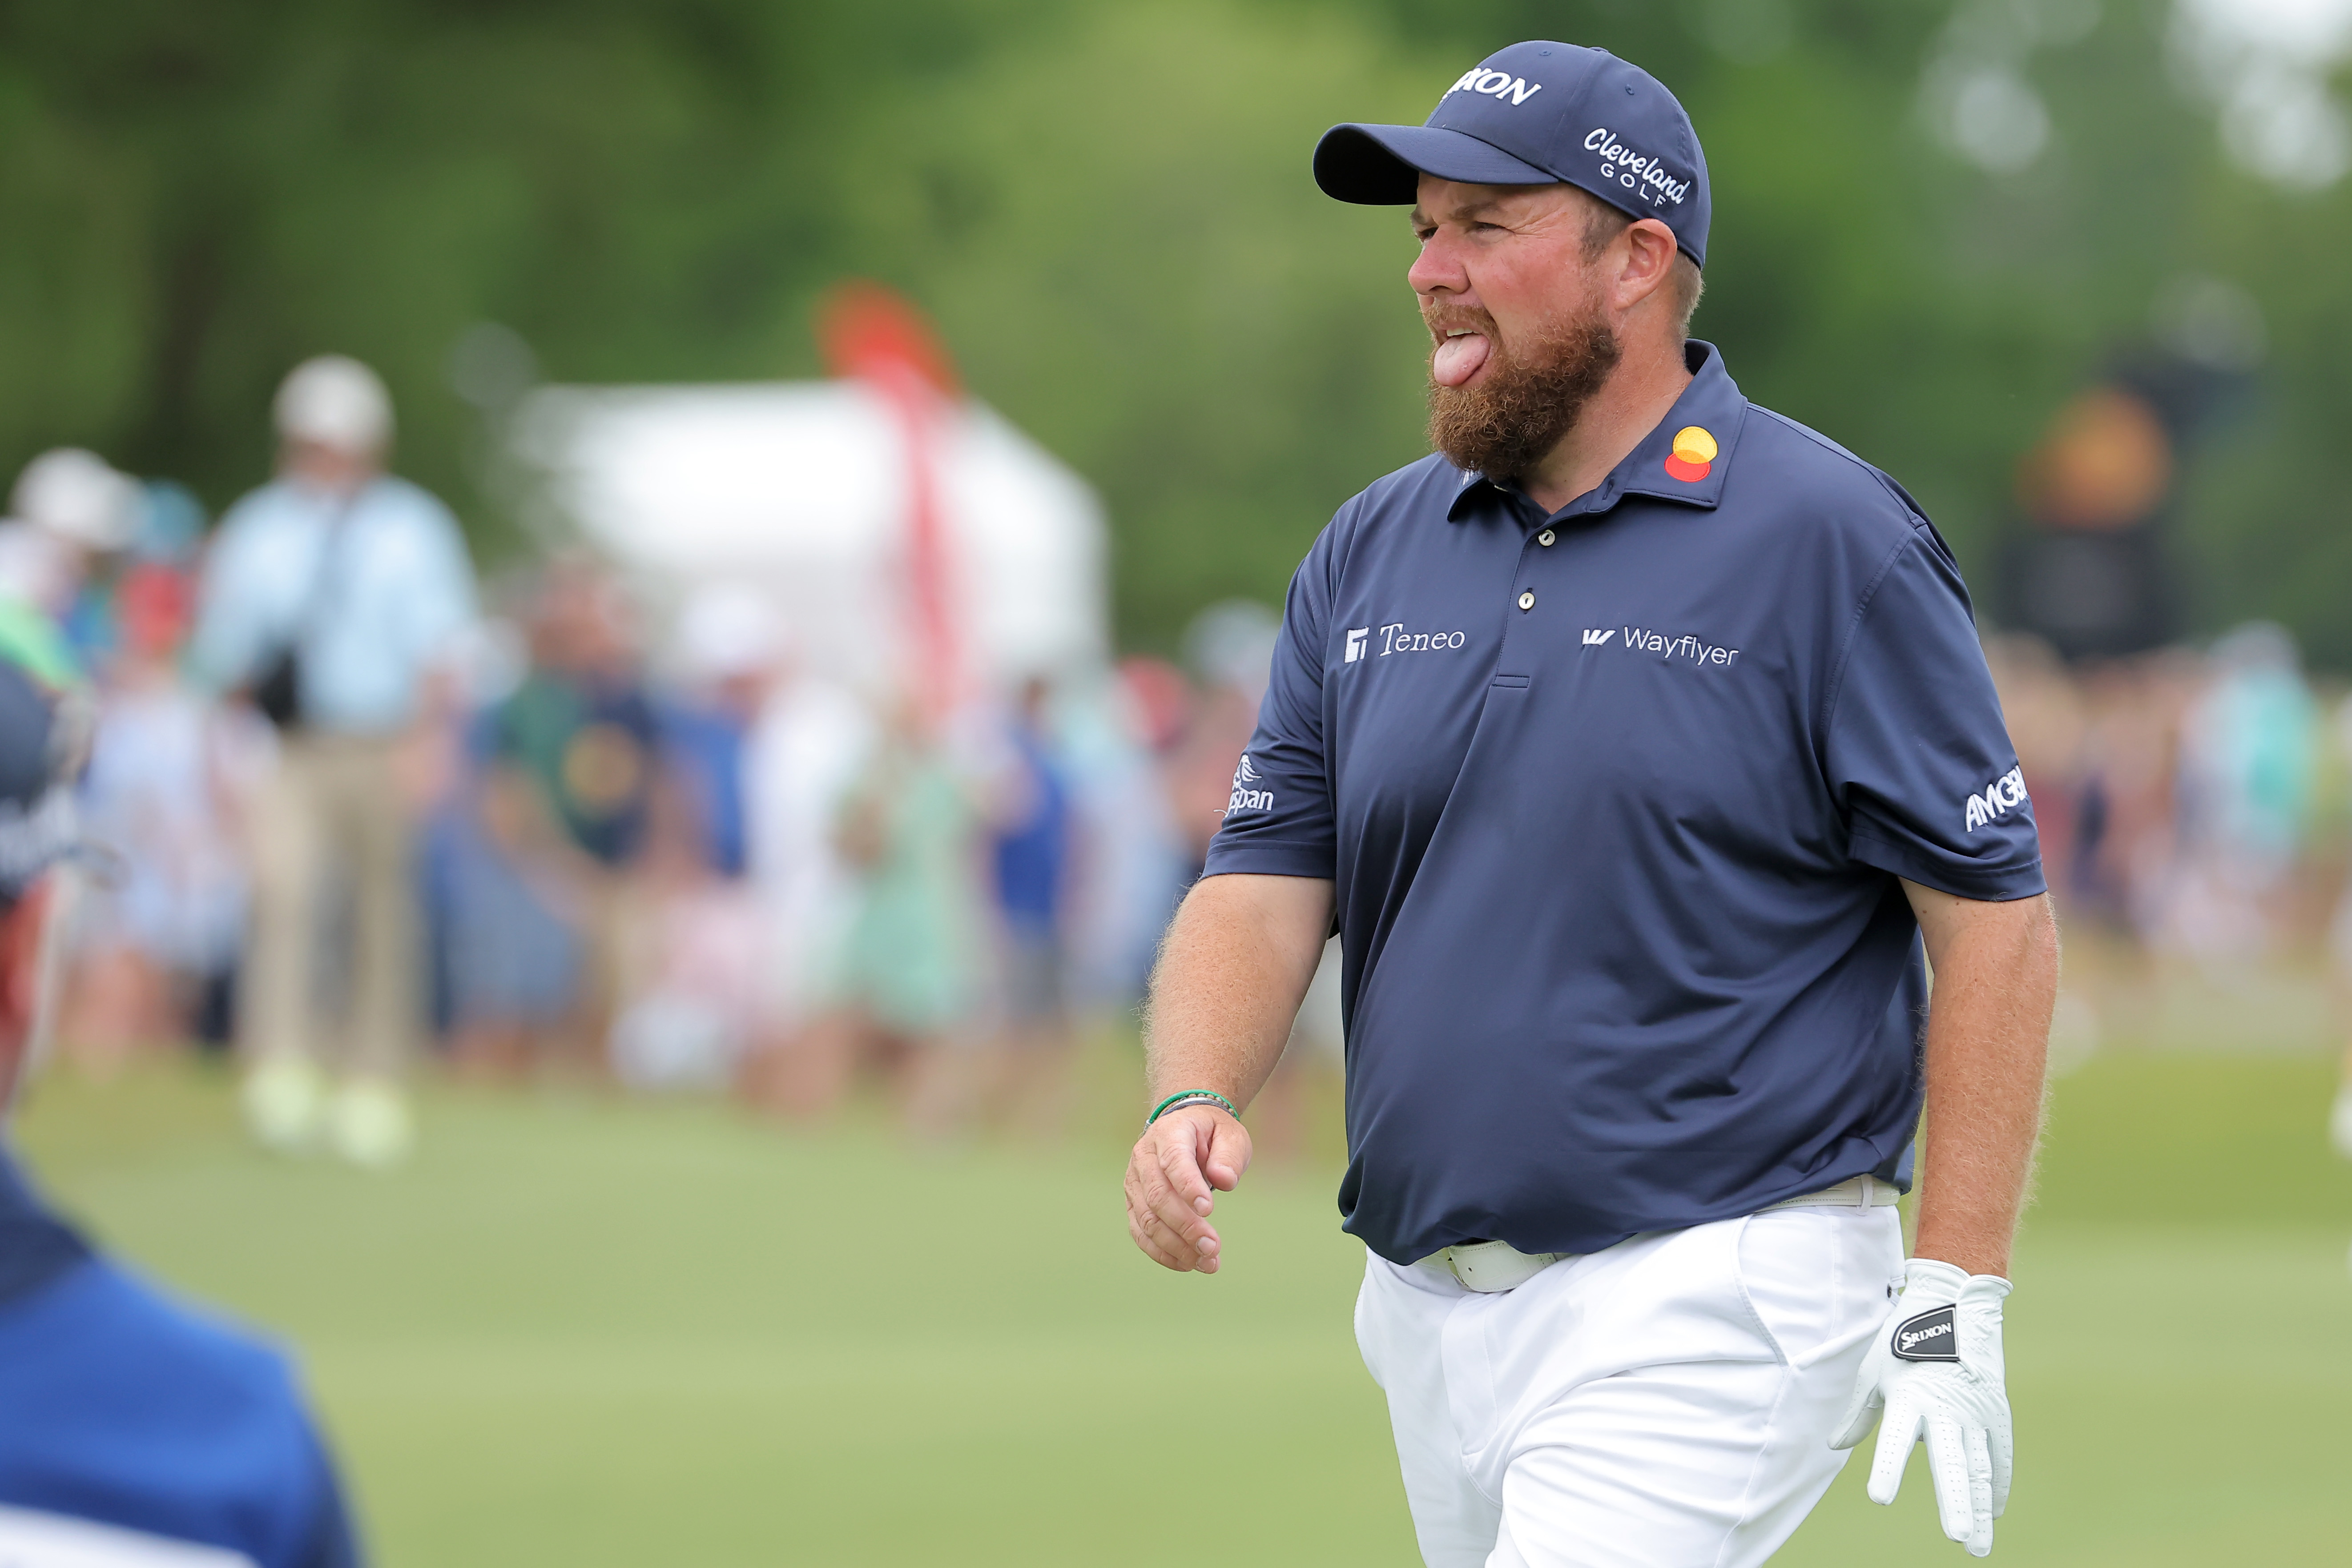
(1632,743)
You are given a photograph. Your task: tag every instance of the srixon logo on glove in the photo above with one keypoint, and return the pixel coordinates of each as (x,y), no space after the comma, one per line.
(1927,1337)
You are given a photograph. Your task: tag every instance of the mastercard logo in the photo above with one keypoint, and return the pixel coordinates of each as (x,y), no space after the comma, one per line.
(1693,456)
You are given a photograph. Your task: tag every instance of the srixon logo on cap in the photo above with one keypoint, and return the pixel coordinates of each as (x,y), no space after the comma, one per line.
(1494,84)
(1927,1337)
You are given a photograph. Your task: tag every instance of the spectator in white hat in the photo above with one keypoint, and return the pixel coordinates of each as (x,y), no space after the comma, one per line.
(336,600)
(67,506)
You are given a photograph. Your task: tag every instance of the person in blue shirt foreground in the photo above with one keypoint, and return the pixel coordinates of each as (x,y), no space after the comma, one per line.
(1631,743)
(136,1429)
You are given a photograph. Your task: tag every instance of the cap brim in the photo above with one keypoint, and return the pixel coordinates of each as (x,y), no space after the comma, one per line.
(1381,165)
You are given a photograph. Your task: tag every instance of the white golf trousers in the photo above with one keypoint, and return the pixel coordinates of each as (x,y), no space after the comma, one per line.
(1665,1404)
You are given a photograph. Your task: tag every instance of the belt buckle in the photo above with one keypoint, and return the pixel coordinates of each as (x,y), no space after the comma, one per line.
(1462,1262)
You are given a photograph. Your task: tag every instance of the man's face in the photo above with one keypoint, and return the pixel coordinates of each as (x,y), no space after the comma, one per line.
(1519,342)
(326,467)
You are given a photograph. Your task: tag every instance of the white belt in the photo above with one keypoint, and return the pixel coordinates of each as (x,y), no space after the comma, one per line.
(1490,1267)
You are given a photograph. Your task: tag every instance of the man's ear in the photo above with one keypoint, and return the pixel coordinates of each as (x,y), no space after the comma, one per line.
(1650,252)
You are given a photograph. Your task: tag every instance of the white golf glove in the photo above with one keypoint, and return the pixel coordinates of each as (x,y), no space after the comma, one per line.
(2339,1122)
(1936,1365)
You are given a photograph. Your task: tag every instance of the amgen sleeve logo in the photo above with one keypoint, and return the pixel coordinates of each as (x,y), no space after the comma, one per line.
(1998,798)
(1246,795)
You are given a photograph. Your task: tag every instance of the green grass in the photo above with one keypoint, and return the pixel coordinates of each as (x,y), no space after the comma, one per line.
(583,1330)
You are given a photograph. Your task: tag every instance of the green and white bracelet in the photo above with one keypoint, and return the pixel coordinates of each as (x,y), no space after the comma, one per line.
(1188,1097)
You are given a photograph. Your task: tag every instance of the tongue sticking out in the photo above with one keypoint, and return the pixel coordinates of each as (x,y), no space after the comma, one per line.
(1458,359)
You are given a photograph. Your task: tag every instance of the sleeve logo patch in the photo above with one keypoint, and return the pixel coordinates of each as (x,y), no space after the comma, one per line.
(1246,795)
(1927,1337)
(1998,798)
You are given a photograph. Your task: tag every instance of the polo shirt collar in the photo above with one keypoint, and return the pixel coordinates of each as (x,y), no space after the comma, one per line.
(1711,407)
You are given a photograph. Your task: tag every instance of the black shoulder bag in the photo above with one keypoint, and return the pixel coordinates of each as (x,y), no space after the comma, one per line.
(278,693)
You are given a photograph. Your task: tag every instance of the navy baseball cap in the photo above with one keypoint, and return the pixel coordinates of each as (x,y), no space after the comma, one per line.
(1539,113)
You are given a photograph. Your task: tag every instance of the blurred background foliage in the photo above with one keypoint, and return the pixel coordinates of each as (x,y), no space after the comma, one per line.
(1933,223)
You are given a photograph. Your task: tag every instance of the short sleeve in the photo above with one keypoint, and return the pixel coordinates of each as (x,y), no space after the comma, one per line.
(1919,758)
(1279,820)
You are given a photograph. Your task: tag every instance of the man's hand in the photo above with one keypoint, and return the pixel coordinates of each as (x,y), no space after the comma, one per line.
(1935,1367)
(1178,1160)
(1236,960)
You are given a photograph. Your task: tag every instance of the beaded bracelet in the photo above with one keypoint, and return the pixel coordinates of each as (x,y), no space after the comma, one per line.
(1187,1097)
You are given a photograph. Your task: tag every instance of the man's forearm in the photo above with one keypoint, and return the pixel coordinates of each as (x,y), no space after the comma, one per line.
(1237,962)
(1987,1042)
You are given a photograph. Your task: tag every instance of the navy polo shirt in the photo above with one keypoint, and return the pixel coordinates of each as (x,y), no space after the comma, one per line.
(1615,801)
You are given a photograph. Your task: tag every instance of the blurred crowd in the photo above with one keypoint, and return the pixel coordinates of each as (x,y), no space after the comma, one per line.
(351,809)
(2192,801)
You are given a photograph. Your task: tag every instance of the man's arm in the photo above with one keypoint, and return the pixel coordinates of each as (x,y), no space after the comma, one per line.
(1996,968)
(1235,964)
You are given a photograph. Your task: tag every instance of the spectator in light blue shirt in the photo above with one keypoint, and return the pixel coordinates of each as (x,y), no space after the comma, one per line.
(335,600)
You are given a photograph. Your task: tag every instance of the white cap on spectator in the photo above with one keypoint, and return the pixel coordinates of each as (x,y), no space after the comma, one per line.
(727,629)
(79,497)
(335,400)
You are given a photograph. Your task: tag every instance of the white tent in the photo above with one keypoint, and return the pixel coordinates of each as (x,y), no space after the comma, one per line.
(800,488)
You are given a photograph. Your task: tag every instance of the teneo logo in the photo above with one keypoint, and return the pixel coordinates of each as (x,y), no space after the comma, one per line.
(1494,84)
(1927,1337)
(1357,637)
(1637,172)
(1395,639)
(1246,796)
(1999,796)
(1666,646)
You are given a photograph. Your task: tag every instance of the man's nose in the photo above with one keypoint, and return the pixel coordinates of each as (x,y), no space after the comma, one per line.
(1438,268)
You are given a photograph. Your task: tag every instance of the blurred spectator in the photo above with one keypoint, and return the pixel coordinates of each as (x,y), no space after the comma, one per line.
(907,984)
(1030,851)
(572,758)
(701,1005)
(136,1427)
(505,956)
(1231,648)
(335,600)
(2248,761)
(155,940)
(810,747)
(74,515)
(730,648)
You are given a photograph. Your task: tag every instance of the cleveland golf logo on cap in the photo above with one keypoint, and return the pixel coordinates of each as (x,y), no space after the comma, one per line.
(1635,171)
(1693,457)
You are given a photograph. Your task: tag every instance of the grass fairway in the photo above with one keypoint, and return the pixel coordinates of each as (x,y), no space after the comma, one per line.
(583,1330)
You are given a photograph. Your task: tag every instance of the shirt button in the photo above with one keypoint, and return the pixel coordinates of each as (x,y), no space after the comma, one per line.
(1545,538)
(1527,600)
